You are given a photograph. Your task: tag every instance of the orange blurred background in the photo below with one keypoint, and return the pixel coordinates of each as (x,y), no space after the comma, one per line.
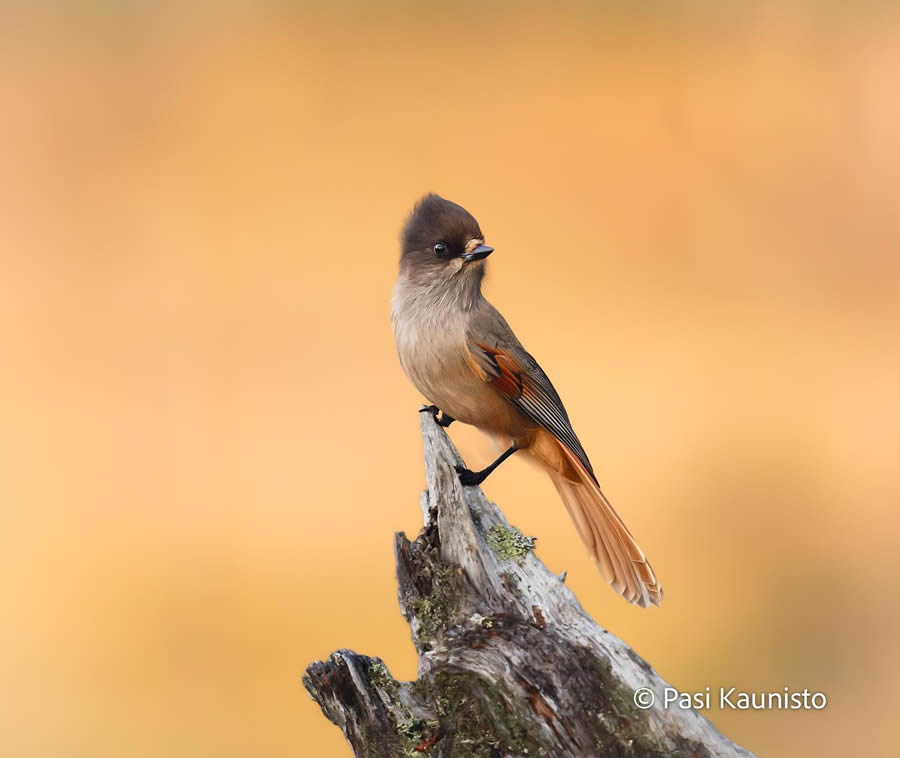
(207,441)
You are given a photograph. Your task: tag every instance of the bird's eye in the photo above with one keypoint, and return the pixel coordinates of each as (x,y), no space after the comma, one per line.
(440,250)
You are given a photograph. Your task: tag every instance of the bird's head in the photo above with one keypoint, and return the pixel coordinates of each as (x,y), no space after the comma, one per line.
(442,243)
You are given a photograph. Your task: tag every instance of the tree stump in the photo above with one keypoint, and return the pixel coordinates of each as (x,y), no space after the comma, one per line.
(510,664)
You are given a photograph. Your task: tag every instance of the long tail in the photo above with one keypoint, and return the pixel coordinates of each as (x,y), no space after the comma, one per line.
(616,553)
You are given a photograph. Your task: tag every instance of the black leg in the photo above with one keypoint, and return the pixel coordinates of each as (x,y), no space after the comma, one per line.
(443,421)
(474,478)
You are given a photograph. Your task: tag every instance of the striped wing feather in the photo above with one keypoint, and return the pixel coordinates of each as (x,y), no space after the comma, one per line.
(615,551)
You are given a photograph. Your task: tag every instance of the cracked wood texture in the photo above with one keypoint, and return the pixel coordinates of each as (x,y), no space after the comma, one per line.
(510,664)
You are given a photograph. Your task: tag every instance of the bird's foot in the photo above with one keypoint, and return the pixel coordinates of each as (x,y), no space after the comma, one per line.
(443,421)
(473,478)
(469,478)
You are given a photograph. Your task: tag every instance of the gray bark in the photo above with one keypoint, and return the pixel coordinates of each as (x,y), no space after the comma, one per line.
(510,664)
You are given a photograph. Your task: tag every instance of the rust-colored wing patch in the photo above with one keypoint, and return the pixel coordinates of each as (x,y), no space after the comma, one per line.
(527,387)
(503,372)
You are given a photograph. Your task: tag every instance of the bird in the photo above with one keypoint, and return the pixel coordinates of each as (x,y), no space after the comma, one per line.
(462,355)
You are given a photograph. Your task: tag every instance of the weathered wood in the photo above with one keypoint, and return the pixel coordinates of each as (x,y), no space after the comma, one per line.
(509,662)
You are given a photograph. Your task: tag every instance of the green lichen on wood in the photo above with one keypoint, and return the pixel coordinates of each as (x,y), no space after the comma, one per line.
(509,543)
(624,733)
(435,610)
(411,727)
(381,677)
(479,719)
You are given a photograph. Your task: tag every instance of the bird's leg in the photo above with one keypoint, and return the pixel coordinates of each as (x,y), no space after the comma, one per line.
(474,478)
(443,421)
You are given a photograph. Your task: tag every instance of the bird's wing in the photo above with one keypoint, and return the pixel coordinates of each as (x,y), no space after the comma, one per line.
(507,366)
(516,375)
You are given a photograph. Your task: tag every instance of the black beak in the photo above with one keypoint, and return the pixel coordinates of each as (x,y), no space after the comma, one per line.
(479,253)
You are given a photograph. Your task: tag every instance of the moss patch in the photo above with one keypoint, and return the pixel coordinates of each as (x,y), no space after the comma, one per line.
(509,543)
(435,609)
(381,677)
(479,720)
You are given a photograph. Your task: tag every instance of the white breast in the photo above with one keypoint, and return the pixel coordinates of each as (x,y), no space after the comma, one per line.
(428,336)
(431,342)
(431,329)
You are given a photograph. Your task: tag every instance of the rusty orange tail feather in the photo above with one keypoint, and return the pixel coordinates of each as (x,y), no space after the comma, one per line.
(613,548)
